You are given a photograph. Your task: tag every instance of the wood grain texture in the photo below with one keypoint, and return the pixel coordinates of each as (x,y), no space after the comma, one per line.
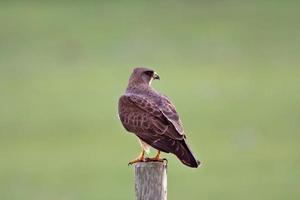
(150,180)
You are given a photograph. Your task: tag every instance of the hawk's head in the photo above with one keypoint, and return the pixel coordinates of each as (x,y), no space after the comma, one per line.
(141,75)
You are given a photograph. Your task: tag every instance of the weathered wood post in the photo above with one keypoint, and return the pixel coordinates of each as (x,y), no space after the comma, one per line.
(150,180)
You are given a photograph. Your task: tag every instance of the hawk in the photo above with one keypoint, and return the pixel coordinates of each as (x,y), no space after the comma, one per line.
(152,117)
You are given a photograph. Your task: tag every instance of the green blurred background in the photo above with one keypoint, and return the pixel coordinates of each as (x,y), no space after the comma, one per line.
(232,68)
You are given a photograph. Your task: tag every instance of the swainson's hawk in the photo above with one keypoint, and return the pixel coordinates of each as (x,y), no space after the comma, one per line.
(152,117)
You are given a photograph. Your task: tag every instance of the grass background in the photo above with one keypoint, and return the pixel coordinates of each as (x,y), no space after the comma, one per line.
(230,67)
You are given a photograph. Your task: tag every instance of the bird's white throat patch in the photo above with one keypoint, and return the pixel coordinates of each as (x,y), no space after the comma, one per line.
(151,80)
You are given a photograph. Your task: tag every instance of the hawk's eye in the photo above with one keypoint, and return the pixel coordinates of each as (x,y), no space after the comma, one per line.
(149,73)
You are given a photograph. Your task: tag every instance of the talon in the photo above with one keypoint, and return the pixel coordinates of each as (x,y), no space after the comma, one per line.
(136,161)
(139,159)
(156,158)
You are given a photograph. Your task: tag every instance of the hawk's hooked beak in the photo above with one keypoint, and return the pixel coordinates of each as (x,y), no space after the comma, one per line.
(155,76)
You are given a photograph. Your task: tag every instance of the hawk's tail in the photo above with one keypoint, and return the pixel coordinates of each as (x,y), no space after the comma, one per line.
(185,155)
(177,147)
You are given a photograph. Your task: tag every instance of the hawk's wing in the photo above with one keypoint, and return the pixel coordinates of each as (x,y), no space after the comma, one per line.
(169,111)
(165,111)
(150,124)
(145,120)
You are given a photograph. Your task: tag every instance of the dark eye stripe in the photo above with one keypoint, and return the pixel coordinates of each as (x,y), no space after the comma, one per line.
(149,73)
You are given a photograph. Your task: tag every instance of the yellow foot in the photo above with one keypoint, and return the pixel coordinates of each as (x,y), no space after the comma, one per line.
(156,158)
(136,161)
(139,159)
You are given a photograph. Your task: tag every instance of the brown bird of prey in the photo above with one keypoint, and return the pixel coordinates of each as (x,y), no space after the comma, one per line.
(152,117)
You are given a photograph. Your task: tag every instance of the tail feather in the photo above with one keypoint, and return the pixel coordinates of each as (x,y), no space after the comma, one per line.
(179,148)
(185,155)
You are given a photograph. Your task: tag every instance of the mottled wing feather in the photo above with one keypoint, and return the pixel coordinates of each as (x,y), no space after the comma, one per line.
(153,128)
(137,120)
(165,112)
(169,111)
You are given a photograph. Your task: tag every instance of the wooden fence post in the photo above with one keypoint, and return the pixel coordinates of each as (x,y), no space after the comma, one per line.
(150,180)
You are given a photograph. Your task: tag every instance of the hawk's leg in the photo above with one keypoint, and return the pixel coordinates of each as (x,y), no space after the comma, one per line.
(141,158)
(156,158)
